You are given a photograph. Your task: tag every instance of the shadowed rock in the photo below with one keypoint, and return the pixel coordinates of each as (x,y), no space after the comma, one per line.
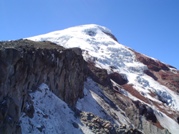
(118,78)
(24,65)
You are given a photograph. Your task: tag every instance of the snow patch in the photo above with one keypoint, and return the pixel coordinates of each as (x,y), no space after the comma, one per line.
(167,122)
(51,116)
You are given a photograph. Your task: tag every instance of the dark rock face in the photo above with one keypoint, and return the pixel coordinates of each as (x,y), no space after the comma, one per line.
(111,35)
(26,64)
(99,75)
(169,79)
(118,78)
(146,111)
(149,73)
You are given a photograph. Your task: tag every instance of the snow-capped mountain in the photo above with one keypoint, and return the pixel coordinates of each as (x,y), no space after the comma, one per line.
(102,49)
(124,91)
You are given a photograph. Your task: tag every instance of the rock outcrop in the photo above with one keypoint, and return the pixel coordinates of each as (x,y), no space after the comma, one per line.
(24,65)
(99,75)
(101,126)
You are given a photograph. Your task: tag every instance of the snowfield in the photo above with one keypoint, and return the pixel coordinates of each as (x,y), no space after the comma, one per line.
(99,47)
(51,113)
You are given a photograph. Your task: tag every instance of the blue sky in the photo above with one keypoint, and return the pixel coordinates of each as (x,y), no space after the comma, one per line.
(150,27)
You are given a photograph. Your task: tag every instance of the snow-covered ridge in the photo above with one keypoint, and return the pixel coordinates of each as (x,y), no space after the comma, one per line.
(105,52)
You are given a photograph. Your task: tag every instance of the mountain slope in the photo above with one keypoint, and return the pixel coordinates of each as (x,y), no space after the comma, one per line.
(143,79)
(115,90)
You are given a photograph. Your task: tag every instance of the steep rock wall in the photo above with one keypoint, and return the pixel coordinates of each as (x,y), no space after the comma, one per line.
(26,64)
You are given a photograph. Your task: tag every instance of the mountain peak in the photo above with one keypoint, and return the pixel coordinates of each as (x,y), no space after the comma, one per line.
(119,81)
(82,32)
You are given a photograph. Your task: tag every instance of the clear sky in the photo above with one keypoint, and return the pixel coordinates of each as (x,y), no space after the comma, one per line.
(150,27)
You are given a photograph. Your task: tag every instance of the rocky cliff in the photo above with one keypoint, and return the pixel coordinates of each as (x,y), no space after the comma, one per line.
(24,65)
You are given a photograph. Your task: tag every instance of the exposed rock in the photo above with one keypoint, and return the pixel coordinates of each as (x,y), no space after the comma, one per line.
(169,79)
(146,111)
(28,107)
(101,126)
(152,64)
(99,75)
(75,125)
(26,64)
(111,35)
(118,78)
(149,73)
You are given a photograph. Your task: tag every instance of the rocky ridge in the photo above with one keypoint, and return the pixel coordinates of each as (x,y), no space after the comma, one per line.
(24,65)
